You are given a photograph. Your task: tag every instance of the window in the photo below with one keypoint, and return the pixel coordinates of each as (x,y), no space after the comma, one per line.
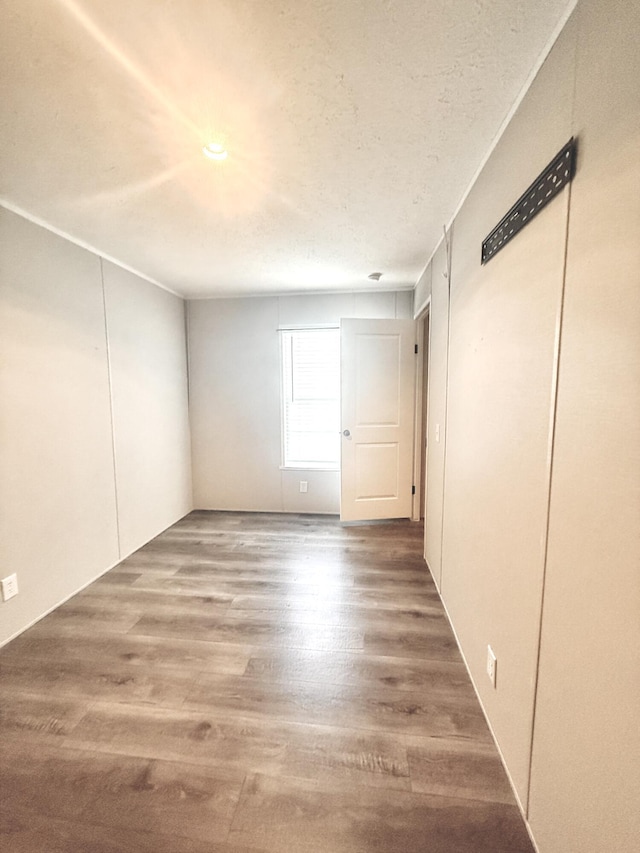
(311,398)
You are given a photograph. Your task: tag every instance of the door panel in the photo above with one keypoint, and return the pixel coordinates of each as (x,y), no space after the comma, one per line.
(377,377)
(376,471)
(378,398)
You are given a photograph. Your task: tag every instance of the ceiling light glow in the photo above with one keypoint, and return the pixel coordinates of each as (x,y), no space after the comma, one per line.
(215,151)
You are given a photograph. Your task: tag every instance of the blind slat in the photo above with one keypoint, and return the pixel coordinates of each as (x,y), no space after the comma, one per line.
(311,392)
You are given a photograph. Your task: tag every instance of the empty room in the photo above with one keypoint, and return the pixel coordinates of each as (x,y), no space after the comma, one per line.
(319,426)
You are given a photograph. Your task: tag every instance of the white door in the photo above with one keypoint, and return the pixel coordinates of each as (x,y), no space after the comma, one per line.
(378,365)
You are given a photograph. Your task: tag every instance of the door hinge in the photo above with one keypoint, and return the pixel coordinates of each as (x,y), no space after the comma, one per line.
(413,490)
(415,349)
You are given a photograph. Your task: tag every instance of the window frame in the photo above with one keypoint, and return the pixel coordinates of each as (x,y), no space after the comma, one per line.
(301,465)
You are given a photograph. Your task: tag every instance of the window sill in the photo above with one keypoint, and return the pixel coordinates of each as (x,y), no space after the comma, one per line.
(308,468)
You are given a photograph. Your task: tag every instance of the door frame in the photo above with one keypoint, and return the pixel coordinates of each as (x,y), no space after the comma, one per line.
(421,391)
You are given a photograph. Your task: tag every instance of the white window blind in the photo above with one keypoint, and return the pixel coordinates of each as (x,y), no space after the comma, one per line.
(311,398)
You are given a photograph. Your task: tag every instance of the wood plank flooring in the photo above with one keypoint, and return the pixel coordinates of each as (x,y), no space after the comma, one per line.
(251,683)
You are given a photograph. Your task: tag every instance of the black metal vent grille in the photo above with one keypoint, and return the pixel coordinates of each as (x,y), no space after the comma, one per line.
(547,185)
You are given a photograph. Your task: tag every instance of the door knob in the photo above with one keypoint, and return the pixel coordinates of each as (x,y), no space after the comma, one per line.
(346,433)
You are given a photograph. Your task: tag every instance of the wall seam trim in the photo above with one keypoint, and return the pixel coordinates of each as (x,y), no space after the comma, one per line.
(448,245)
(550,460)
(187,349)
(111,417)
(553,415)
(81,244)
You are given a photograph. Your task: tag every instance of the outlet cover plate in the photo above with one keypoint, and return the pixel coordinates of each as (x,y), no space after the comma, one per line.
(9,587)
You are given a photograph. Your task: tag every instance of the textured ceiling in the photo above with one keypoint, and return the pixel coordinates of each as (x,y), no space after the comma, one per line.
(353,128)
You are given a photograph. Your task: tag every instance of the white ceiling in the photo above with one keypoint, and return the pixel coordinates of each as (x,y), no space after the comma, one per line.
(353,129)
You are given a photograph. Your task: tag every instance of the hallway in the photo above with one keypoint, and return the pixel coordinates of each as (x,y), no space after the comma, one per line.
(251,683)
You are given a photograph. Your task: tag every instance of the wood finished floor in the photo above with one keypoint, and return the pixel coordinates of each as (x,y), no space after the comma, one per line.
(251,684)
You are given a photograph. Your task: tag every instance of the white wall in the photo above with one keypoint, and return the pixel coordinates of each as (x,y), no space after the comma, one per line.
(61,504)
(585,782)
(501,373)
(422,291)
(540,551)
(147,359)
(234,368)
(437,411)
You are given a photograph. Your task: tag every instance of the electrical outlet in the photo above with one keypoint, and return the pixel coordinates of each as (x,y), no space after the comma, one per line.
(303,486)
(9,587)
(492,665)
